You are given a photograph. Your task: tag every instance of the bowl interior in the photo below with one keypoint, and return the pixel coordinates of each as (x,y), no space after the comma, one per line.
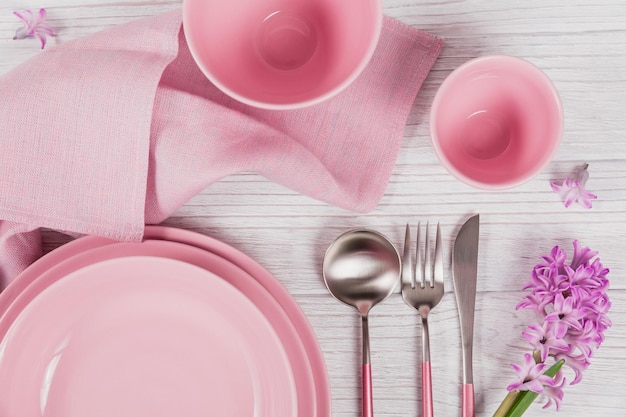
(496,121)
(275,53)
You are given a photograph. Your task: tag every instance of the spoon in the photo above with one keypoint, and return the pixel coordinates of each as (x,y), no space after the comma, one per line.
(361,268)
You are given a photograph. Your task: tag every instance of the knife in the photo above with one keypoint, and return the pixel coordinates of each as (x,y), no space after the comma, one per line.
(464,271)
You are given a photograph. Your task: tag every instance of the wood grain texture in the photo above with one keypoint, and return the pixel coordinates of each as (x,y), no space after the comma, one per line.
(581,45)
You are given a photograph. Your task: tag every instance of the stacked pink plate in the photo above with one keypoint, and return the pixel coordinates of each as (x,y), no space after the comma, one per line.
(179,324)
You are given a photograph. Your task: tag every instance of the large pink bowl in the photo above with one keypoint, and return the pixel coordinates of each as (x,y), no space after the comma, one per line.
(496,121)
(282,54)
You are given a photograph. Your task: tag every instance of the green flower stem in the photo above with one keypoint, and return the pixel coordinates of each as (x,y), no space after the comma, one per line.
(524,400)
(517,402)
(507,403)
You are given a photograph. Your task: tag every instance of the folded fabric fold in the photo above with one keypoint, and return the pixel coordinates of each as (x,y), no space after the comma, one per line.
(104,134)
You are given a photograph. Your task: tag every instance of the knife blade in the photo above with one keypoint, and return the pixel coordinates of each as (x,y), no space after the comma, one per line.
(464,273)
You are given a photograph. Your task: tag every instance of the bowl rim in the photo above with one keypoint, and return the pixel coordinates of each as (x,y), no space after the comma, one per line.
(374,40)
(434,108)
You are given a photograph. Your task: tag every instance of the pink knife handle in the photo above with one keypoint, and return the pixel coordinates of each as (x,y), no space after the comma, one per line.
(467,409)
(368,409)
(427,390)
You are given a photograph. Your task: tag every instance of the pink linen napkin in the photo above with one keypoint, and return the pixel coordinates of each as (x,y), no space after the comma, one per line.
(104,134)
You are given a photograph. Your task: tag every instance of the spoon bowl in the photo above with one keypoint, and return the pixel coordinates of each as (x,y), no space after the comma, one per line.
(361,268)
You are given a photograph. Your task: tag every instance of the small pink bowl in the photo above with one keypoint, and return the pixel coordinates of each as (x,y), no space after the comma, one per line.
(496,121)
(282,54)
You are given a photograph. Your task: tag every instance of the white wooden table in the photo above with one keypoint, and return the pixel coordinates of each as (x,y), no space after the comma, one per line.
(581,45)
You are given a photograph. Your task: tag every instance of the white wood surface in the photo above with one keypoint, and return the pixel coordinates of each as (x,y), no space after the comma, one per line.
(581,45)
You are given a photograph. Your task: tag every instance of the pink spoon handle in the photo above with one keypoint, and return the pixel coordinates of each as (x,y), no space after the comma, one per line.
(368,409)
(467,409)
(427,390)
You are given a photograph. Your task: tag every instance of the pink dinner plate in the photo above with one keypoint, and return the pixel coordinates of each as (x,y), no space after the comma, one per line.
(142,336)
(256,283)
(252,289)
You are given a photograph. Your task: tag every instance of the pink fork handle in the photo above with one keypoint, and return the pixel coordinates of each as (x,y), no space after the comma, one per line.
(368,408)
(467,407)
(427,390)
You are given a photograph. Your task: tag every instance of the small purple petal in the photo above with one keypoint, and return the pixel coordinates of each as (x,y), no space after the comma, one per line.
(554,394)
(581,255)
(22,17)
(577,363)
(42,39)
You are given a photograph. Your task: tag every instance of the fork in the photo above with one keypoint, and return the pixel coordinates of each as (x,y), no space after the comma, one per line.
(422,289)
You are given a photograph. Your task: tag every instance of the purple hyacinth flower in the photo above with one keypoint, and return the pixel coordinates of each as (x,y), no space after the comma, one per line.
(35,25)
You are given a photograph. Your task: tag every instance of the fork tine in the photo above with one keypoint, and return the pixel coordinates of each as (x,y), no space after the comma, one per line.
(428,261)
(407,276)
(438,266)
(417,271)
